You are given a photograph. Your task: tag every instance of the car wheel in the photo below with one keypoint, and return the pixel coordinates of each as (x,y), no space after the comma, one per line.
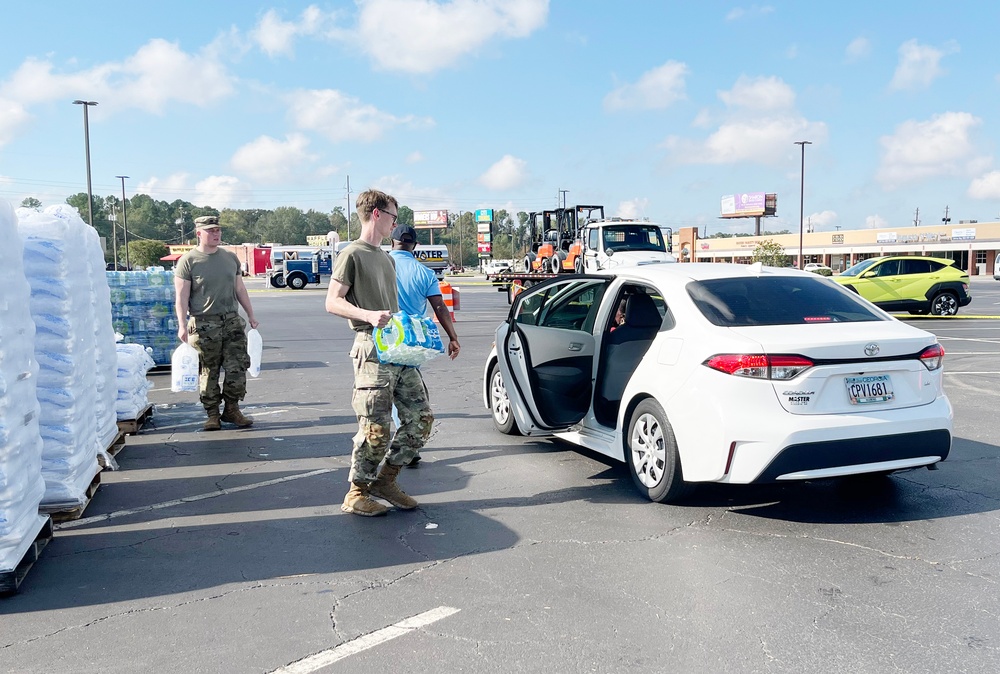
(944,304)
(503,418)
(277,280)
(651,454)
(297,282)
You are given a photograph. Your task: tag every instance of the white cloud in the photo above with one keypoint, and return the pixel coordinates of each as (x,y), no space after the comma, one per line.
(223,192)
(340,117)
(276,37)
(509,172)
(174,186)
(859,49)
(13,118)
(268,159)
(759,93)
(764,141)
(414,158)
(876,222)
(421,36)
(940,146)
(656,89)
(986,186)
(158,73)
(738,13)
(822,221)
(633,209)
(919,65)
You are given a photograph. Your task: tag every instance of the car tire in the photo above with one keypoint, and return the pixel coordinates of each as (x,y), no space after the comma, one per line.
(277,280)
(503,416)
(944,304)
(651,454)
(297,282)
(555,264)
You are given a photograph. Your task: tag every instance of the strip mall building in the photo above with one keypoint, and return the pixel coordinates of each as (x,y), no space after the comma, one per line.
(973,245)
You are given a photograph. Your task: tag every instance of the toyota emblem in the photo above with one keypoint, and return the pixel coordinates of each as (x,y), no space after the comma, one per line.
(871,349)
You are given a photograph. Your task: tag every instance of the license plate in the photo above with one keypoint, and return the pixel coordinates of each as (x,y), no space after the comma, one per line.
(876,388)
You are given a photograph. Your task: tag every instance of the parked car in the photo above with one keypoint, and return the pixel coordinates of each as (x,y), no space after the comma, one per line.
(912,283)
(720,373)
(817,268)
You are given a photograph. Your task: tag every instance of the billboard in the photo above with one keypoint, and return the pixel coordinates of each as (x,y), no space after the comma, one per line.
(484,215)
(748,204)
(430,219)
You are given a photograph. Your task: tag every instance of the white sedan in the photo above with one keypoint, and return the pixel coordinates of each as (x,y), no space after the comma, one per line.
(722,373)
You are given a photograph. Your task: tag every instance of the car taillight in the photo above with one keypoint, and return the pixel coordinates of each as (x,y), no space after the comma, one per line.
(759,366)
(932,357)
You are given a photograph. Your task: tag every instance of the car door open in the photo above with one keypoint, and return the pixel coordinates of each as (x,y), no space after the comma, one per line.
(545,350)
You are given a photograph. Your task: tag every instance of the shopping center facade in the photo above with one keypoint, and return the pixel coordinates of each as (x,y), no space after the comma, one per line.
(973,245)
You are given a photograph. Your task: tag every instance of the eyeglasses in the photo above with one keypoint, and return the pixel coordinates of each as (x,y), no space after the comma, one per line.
(392,215)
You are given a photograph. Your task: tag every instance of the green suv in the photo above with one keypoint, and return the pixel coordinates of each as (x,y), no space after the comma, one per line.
(911,283)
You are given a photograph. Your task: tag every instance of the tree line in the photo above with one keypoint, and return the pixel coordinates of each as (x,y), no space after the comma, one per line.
(153,224)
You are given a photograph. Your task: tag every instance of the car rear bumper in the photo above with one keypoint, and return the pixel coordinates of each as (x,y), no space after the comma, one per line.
(846,457)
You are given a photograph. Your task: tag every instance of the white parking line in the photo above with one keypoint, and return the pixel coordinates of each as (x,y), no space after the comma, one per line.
(363,643)
(189,499)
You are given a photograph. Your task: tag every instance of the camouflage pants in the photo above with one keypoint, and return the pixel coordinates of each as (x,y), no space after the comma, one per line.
(377,386)
(221,345)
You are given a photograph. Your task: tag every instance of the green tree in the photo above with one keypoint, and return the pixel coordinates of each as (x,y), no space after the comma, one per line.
(31,202)
(145,253)
(770,253)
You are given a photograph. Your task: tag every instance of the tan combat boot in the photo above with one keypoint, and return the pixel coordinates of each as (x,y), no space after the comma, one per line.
(213,419)
(357,502)
(231,414)
(385,487)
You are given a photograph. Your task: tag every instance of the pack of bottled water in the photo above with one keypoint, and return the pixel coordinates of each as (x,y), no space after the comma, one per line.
(57,266)
(408,340)
(142,304)
(21,483)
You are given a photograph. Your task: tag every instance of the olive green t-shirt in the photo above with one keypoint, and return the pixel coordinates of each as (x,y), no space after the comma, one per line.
(371,275)
(213,281)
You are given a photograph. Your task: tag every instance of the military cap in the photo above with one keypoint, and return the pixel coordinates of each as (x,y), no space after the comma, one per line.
(206,221)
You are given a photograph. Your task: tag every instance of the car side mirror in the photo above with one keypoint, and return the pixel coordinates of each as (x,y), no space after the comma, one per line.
(868,274)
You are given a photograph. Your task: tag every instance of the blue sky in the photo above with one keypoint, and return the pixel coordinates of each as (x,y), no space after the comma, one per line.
(654,109)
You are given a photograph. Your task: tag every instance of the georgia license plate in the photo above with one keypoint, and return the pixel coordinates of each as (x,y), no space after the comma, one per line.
(876,388)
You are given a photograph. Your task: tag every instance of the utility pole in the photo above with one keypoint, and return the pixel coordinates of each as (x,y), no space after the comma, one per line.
(114,234)
(946,219)
(86,143)
(802,193)
(128,266)
(916,217)
(348,208)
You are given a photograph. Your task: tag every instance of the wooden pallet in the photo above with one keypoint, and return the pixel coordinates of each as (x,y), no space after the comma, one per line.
(116,445)
(10,581)
(133,426)
(60,513)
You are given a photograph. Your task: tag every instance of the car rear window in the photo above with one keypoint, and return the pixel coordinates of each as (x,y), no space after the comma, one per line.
(778,300)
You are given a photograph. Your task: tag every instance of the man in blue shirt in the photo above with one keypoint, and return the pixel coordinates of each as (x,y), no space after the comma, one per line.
(416,285)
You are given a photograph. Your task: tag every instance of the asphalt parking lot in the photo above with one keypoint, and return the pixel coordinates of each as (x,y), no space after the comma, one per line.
(227,552)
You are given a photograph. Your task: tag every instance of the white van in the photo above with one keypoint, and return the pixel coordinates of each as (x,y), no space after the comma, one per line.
(996,267)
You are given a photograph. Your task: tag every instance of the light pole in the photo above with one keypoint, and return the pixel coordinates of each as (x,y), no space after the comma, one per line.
(180,221)
(128,266)
(802,193)
(86,144)
(114,235)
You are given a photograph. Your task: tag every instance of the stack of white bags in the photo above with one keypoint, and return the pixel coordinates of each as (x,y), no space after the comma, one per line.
(69,302)
(134,361)
(21,484)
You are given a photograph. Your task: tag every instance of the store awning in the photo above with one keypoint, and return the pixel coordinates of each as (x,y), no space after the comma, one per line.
(171,258)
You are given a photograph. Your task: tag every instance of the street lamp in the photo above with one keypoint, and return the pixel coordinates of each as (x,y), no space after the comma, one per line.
(86,144)
(180,221)
(802,192)
(128,266)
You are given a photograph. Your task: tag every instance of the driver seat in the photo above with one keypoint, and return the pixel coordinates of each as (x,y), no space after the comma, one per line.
(624,348)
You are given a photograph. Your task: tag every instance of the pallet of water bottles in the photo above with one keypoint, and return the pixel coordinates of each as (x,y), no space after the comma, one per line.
(142,310)
(31,548)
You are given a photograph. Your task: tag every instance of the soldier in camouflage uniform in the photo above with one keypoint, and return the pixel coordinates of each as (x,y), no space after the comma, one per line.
(209,286)
(363,290)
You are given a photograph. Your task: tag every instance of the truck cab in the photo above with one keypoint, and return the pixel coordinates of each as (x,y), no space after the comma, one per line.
(297,266)
(618,242)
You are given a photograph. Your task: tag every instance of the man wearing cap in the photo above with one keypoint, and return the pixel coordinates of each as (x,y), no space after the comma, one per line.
(416,285)
(209,290)
(363,290)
